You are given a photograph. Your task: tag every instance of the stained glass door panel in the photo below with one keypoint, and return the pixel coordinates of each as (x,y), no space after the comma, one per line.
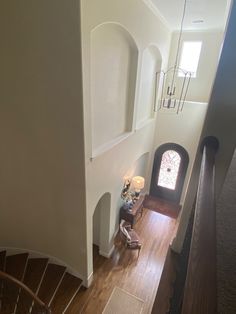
(169,169)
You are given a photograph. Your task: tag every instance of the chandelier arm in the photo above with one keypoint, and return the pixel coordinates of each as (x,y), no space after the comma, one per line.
(186,90)
(173,79)
(182,91)
(178,107)
(162,90)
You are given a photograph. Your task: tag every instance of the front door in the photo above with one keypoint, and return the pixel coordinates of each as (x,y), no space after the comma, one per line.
(169,170)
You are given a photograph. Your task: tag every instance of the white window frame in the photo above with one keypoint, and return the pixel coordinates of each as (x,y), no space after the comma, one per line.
(188,55)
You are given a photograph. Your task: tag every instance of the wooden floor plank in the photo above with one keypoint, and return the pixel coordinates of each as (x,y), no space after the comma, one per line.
(65,293)
(162,206)
(165,290)
(138,276)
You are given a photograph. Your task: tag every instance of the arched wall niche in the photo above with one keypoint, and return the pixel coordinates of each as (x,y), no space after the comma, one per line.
(101,223)
(114,59)
(151,63)
(139,167)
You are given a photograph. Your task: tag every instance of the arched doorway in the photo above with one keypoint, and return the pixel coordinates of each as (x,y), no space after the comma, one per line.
(101,224)
(168,173)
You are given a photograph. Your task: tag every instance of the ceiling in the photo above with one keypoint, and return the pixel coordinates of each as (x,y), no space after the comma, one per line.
(200,14)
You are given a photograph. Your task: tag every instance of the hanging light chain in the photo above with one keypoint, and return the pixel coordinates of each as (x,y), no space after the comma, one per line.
(171,90)
(178,101)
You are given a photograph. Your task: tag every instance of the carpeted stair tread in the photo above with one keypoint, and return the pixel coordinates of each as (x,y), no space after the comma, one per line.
(15,266)
(2,260)
(67,290)
(32,279)
(50,282)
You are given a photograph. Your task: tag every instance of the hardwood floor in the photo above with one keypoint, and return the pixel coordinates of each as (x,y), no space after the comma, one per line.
(162,206)
(138,276)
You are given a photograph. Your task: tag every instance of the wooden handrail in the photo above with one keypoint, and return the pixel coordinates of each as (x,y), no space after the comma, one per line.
(200,286)
(22,286)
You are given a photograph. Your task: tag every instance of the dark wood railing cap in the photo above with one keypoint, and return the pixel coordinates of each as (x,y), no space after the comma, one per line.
(200,286)
(211,142)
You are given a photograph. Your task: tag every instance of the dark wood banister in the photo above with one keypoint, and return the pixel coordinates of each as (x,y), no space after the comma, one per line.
(200,286)
(21,285)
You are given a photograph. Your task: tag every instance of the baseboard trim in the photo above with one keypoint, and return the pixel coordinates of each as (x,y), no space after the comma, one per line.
(87,282)
(105,254)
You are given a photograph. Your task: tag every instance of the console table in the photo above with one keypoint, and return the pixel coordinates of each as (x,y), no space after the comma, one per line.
(130,215)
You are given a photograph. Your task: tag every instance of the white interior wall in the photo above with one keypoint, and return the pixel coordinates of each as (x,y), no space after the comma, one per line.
(105,171)
(42,190)
(200,86)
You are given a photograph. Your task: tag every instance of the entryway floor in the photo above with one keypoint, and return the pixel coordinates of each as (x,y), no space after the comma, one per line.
(162,206)
(138,276)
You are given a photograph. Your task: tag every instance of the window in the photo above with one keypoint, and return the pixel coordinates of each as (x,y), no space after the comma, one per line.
(169,169)
(190,57)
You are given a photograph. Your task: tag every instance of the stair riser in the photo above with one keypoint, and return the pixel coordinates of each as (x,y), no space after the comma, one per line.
(52,284)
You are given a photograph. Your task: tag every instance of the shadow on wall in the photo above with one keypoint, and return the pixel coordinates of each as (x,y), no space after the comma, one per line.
(151,64)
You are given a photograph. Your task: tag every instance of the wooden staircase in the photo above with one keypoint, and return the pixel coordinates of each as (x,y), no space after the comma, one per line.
(32,280)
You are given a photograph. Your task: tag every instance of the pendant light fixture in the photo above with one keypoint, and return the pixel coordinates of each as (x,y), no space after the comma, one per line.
(173,96)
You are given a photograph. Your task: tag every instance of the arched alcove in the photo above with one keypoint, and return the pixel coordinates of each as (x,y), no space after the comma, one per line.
(151,64)
(114,57)
(139,167)
(101,224)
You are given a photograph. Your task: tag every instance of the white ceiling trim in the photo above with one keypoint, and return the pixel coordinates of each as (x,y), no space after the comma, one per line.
(154,9)
(214,13)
